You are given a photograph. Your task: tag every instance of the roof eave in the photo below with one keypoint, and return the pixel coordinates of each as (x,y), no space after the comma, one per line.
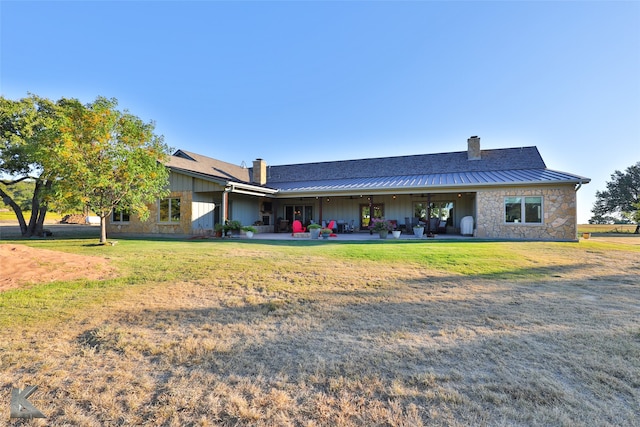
(244,188)
(233,186)
(200,175)
(365,190)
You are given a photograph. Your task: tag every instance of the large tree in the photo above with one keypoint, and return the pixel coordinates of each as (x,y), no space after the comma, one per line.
(111,159)
(89,155)
(622,196)
(25,144)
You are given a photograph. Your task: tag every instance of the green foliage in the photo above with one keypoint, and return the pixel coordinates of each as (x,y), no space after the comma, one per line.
(26,142)
(232,225)
(622,196)
(111,159)
(80,155)
(381,225)
(21,193)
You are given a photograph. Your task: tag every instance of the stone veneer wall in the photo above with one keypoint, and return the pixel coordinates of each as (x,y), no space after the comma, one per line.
(152,226)
(559,214)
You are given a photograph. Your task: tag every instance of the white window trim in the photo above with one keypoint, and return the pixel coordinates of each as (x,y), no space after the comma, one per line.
(523,211)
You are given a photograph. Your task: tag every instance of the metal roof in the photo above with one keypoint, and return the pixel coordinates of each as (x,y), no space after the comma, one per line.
(434,181)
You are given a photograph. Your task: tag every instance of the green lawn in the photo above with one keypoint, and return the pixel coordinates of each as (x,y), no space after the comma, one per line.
(9,215)
(345,333)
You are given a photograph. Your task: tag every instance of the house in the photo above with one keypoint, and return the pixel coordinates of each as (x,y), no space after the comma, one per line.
(508,193)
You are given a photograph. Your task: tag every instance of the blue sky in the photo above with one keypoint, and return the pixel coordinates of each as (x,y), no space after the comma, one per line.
(295,82)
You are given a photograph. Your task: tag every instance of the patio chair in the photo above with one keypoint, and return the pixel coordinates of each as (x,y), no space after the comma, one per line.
(283,226)
(297,227)
(332,227)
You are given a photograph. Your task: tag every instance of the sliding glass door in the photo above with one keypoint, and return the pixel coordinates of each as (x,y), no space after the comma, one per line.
(302,213)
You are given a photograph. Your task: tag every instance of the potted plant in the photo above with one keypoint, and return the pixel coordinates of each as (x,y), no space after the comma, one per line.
(418,230)
(249,230)
(326,232)
(232,227)
(396,234)
(382,227)
(314,230)
(219,229)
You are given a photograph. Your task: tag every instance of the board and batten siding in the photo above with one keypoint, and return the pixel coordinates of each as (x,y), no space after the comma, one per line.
(181,182)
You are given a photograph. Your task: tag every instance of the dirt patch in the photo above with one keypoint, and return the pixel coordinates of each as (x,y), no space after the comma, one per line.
(23,265)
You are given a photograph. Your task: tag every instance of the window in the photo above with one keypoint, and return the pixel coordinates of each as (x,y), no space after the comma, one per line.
(365,217)
(442,210)
(526,210)
(170,210)
(120,215)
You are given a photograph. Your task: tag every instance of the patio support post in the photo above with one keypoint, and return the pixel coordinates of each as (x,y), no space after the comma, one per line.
(428,213)
(225,205)
(370,214)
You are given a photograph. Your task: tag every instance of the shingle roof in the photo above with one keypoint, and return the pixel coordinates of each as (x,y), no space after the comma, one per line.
(193,162)
(422,164)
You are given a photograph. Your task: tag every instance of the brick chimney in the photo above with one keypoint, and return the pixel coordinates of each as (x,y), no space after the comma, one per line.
(259,172)
(473,148)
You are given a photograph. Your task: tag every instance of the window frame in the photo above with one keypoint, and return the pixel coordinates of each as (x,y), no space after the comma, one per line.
(170,209)
(118,216)
(523,205)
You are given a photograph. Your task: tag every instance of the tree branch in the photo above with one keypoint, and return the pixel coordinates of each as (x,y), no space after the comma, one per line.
(15,181)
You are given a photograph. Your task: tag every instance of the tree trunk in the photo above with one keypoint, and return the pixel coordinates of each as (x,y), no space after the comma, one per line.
(103,229)
(38,211)
(39,227)
(17,210)
(42,213)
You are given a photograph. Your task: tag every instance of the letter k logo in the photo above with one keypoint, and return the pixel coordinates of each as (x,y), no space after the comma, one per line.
(21,407)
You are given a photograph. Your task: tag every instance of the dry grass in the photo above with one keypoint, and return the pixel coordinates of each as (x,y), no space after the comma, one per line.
(607,228)
(319,336)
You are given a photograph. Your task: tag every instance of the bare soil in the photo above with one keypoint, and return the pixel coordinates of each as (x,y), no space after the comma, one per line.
(22,265)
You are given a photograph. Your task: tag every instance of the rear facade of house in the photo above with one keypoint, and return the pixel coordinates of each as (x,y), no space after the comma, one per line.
(503,193)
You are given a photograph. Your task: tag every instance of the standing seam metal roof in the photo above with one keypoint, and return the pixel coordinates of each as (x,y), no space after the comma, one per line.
(511,177)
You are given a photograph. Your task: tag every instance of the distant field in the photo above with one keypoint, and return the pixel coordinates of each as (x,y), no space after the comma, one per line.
(281,333)
(606,228)
(11,216)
